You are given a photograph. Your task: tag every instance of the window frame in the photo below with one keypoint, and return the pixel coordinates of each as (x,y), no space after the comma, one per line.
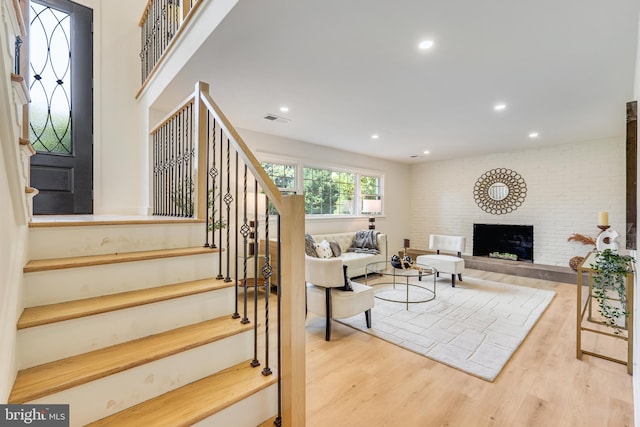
(301,164)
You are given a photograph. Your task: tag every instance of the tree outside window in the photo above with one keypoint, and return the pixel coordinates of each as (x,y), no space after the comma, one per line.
(284,177)
(328,192)
(370,187)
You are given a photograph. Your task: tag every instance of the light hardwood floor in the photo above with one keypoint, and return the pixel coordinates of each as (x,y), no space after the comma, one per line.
(359,380)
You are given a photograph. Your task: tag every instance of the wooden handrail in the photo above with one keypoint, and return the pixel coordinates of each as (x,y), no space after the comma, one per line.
(20,17)
(249,159)
(15,78)
(188,100)
(145,12)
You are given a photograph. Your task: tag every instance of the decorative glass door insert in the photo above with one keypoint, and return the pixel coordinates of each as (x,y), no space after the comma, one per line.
(50,63)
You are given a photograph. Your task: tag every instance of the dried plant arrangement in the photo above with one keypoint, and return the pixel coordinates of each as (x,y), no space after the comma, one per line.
(581,238)
(576,261)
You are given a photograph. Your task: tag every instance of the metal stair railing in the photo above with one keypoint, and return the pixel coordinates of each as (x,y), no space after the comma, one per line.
(202,168)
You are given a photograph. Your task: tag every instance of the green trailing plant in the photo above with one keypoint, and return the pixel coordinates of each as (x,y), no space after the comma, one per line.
(184,202)
(609,286)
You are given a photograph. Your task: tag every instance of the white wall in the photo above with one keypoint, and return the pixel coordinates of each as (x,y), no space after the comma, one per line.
(119,179)
(394,222)
(13,212)
(13,238)
(567,186)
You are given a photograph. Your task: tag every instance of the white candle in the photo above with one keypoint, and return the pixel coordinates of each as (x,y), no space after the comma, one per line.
(603,218)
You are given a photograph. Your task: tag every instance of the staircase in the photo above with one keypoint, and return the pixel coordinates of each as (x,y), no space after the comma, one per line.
(126,322)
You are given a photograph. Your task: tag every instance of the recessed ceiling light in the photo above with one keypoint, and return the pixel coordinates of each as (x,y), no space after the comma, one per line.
(284,109)
(375,136)
(425,44)
(534,135)
(499,107)
(426,152)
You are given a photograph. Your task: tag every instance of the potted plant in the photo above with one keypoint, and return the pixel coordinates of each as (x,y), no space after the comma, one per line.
(609,286)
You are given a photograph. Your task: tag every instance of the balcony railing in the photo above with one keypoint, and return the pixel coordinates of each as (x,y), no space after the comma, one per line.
(160,23)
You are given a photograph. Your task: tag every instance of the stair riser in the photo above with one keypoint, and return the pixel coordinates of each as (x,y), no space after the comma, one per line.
(105,396)
(49,287)
(249,412)
(59,242)
(76,336)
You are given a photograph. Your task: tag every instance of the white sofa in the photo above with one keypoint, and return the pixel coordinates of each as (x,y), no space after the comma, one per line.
(356,262)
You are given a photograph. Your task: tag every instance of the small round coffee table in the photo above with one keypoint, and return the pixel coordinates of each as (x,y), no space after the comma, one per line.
(412,277)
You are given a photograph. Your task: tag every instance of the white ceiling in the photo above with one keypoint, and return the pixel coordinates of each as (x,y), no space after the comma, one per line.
(348,69)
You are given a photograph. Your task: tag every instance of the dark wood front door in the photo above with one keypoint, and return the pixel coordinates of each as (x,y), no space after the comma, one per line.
(61,110)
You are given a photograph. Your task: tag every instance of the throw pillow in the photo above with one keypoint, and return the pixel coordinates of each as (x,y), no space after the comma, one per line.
(323,249)
(347,282)
(335,248)
(309,249)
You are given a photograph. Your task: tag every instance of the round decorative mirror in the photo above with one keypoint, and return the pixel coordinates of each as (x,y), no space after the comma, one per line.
(500,191)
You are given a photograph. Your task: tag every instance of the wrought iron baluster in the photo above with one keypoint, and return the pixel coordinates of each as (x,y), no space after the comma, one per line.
(17,55)
(163,25)
(165,206)
(184,208)
(245,230)
(190,156)
(219,188)
(255,362)
(167,168)
(154,21)
(278,421)
(178,197)
(185,187)
(171,189)
(213,173)
(142,42)
(156,32)
(266,272)
(207,217)
(155,174)
(228,199)
(236,315)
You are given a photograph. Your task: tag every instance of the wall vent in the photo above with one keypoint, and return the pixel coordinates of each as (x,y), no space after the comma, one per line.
(276,118)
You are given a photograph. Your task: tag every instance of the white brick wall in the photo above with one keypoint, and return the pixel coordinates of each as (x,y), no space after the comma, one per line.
(567,186)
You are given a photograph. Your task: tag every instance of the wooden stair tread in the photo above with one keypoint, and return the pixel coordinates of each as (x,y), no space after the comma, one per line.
(42,380)
(85,261)
(51,313)
(49,221)
(196,401)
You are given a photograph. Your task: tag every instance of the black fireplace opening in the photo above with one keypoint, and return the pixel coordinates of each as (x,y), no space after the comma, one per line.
(512,239)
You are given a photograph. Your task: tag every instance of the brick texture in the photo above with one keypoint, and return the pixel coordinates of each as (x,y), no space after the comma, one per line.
(567,185)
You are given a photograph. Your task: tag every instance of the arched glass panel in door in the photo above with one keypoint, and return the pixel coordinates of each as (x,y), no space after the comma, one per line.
(50,85)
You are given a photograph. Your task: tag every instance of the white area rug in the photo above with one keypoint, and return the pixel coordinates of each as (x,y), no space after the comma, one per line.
(474,327)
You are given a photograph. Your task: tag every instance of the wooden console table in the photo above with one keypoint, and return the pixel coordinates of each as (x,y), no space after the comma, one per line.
(587,323)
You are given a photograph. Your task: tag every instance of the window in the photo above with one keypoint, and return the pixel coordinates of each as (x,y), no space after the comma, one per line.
(284,176)
(370,194)
(328,192)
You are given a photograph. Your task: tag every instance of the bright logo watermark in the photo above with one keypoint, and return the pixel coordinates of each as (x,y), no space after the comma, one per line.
(34,415)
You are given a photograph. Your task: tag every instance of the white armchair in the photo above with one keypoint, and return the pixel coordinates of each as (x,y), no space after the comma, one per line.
(323,277)
(450,264)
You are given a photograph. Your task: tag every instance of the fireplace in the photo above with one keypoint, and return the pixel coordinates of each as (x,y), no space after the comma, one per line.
(512,239)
